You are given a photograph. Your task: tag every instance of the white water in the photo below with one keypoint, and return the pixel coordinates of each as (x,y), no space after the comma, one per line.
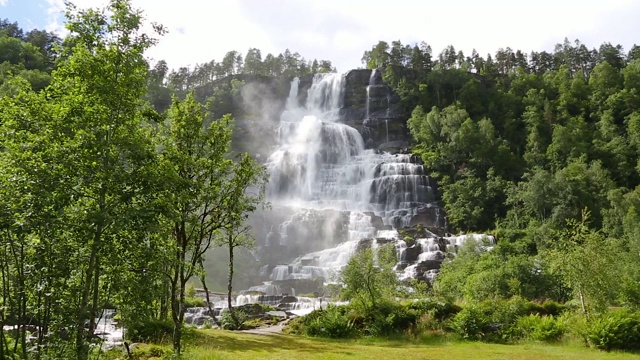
(334,186)
(323,164)
(108,330)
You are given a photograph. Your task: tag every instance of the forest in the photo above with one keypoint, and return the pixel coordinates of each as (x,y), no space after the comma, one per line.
(118,176)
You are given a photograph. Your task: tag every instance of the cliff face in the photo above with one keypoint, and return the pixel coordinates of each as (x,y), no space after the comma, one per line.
(372,107)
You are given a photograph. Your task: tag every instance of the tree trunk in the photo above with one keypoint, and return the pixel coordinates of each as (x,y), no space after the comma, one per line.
(2,355)
(174,312)
(82,350)
(582,303)
(230,280)
(178,287)
(206,294)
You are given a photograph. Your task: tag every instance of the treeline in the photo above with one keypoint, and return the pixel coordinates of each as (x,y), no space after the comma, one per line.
(219,82)
(104,202)
(287,65)
(575,56)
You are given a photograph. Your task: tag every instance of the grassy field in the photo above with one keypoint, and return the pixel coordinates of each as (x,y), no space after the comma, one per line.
(216,344)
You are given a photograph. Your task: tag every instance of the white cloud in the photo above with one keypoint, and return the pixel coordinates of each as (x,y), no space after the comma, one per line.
(197,31)
(341,30)
(4,2)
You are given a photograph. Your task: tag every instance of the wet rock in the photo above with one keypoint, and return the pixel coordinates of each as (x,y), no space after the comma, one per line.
(364,244)
(308,262)
(384,241)
(376,221)
(394,147)
(289,299)
(278,314)
(429,265)
(411,253)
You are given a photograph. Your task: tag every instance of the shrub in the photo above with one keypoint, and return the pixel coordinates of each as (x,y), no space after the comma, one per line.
(539,328)
(469,323)
(428,322)
(191,302)
(331,323)
(299,325)
(440,310)
(619,330)
(149,330)
(389,317)
(266,308)
(548,307)
(384,319)
(553,308)
(235,321)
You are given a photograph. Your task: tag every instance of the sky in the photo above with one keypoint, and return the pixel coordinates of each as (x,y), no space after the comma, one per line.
(341,30)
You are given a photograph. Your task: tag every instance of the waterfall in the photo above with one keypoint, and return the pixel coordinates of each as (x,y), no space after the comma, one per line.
(332,186)
(372,81)
(323,164)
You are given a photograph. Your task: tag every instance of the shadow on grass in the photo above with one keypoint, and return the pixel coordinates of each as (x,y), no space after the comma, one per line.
(232,341)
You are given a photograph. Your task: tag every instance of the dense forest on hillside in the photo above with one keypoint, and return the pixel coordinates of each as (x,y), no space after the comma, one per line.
(524,139)
(117,176)
(540,150)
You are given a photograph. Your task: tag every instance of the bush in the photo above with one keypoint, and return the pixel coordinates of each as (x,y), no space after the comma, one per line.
(149,330)
(469,323)
(619,330)
(233,322)
(331,323)
(440,310)
(548,307)
(539,328)
(384,319)
(389,318)
(191,302)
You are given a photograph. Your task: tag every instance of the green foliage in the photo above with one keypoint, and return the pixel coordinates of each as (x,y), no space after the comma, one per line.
(233,320)
(439,309)
(190,302)
(618,330)
(149,330)
(538,328)
(475,274)
(583,259)
(470,323)
(389,318)
(365,282)
(332,323)
(151,352)
(385,319)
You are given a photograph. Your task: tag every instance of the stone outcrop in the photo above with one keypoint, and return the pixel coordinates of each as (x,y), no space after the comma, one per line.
(372,107)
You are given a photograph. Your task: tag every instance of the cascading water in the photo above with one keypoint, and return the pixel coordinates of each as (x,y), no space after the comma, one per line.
(323,164)
(334,188)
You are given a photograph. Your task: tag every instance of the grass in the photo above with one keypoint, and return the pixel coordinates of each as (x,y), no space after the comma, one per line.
(218,344)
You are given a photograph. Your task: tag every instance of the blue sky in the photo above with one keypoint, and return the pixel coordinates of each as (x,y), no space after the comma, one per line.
(341,30)
(29,14)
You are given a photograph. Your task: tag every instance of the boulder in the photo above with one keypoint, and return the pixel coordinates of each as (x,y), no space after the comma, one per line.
(411,253)
(289,299)
(429,265)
